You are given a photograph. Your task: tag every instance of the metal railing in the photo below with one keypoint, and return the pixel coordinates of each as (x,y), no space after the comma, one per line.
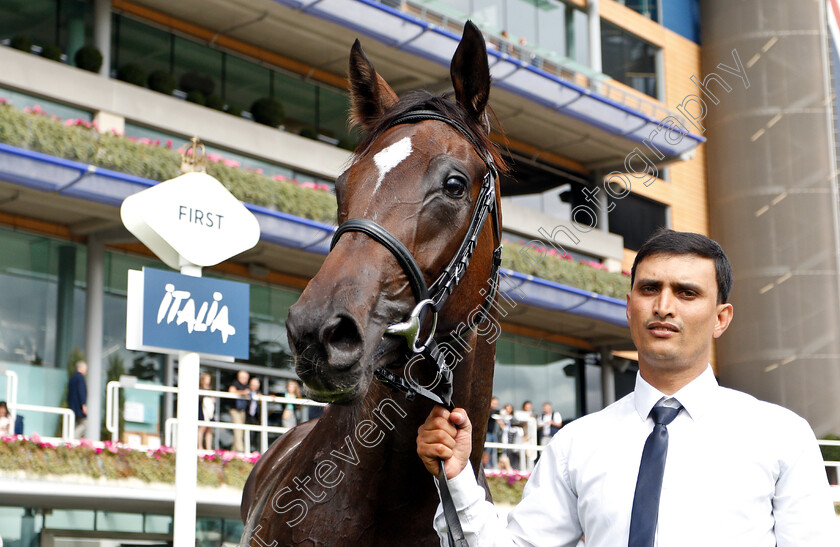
(68,417)
(548,61)
(112,409)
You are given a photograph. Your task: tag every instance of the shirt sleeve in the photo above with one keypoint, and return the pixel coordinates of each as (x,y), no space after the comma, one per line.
(802,504)
(546,516)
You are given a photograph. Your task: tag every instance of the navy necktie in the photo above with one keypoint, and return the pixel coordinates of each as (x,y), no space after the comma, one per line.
(649,484)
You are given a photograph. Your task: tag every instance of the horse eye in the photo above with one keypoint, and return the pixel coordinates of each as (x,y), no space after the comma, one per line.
(456,187)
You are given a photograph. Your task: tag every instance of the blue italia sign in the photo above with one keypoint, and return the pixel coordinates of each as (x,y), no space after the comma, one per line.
(185,313)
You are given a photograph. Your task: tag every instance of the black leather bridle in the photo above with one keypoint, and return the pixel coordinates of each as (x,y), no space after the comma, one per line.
(431,299)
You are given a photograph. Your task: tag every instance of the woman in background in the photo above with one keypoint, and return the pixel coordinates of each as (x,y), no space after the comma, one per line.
(206,411)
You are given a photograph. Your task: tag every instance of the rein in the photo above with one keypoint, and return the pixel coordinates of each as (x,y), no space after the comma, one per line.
(432,299)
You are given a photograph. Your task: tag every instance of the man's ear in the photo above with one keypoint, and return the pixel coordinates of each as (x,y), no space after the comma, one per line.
(725,313)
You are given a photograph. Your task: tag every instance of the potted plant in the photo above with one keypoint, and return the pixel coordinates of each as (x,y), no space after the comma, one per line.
(268,111)
(52,52)
(132,73)
(88,58)
(162,82)
(192,81)
(215,102)
(21,42)
(196,97)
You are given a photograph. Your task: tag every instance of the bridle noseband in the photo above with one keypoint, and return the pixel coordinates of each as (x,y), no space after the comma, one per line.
(431,299)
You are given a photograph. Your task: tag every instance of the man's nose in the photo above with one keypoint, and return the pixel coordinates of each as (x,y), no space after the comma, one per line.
(663,305)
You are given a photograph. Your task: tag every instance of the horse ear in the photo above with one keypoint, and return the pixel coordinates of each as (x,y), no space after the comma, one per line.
(370,95)
(471,74)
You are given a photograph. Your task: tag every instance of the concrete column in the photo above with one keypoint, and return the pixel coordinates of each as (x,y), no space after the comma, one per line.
(94,299)
(594,35)
(607,378)
(64,307)
(102,33)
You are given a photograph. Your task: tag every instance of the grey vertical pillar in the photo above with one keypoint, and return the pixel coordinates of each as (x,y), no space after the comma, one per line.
(94,299)
(773,200)
(169,380)
(594,35)
(607,378)
(102,33)
(64,308)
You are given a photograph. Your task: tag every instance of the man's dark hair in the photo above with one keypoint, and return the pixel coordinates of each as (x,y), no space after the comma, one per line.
(669,242)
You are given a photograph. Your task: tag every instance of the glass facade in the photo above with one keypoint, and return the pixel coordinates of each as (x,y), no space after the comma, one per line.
(550,28)
(27,527)
(539,371)
(311,109)
(629,59)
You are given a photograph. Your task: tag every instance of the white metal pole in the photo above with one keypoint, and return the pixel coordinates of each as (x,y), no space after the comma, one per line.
(186,455)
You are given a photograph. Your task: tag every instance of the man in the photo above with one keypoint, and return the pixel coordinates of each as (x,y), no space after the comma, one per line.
(549,423)
(77,398)
(237,413)
(735,471)
(253,411)
(490,459)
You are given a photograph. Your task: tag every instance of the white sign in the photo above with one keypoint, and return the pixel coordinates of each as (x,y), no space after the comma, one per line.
(193,216)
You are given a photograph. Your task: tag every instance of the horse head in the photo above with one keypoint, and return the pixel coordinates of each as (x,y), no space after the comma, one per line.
(418,179)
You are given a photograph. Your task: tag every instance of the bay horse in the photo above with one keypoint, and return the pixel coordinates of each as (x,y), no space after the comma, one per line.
(421,184)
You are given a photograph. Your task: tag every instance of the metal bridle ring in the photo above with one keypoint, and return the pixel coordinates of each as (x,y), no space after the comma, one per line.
(410,328)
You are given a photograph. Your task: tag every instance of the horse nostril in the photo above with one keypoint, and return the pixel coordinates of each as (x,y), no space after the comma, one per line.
(343,341)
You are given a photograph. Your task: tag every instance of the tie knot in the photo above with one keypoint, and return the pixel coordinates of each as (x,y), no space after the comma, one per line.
(664,415)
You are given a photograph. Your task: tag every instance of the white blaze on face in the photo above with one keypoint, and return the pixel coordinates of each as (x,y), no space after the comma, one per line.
(388,158)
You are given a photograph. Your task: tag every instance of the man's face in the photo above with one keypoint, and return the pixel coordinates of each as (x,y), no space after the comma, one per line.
(546,408)
(494,403)
(673,315)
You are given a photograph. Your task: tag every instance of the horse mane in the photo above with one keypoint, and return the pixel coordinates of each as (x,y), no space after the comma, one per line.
(424,100)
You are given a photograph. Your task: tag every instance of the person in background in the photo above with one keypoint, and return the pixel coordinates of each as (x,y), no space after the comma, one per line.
(253,412)
(237,413)
(206,412)
(491,455)
(290,413)
(77,398)
(548,423)
(6,425)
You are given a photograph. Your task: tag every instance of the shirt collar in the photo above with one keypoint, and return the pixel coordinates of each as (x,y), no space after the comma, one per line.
(695,397)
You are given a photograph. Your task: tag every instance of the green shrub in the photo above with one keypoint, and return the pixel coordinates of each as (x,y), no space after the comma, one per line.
(88,58)
(192,81)
(162,82)
(268,111)
(309,133)
(234,110)
(215,102)
(132,73)
(196,97)
(21,42)
(831,453)
(51,52)
(42,134)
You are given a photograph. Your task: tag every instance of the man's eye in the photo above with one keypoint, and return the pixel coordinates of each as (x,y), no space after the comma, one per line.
(455,187)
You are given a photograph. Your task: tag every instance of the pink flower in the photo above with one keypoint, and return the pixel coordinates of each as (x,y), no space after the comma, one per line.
(35,438)
(169,143)
(3,100)
(215,158)
(280,178)
(95,125)
(27,110)
(231,163)
(69,123)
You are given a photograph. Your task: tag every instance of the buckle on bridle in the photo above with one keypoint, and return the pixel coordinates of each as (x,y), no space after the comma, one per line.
(410,328)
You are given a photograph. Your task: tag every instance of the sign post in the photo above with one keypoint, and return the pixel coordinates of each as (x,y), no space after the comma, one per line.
(189,222)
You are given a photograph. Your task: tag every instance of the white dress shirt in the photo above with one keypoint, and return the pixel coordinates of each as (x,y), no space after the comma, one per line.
(739,472)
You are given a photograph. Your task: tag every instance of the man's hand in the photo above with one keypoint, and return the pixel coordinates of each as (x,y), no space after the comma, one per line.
(447,436)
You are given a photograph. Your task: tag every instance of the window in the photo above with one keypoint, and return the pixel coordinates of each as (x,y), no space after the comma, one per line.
(648,8)
(635,218)
(628,59)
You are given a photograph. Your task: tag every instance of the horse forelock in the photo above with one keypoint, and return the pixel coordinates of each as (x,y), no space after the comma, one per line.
(424,100)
